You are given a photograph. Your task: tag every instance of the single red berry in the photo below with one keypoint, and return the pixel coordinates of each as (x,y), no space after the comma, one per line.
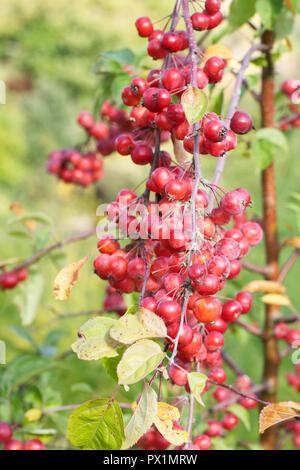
(144,26)
(212,6)
(200,21)
(14,444)
(214,428)
(215,130)
(231,310)
(214,341)
(229,421)
(207,309)
(241,122)
(245,299)
(34,444)
(171,41)
(203,442)
(5,432)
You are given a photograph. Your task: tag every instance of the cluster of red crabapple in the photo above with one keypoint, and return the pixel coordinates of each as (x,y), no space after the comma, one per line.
(158,260)
(6,434)
(10,279)
(291,88)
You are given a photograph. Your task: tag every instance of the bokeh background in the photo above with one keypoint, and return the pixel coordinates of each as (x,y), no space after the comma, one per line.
(47,52)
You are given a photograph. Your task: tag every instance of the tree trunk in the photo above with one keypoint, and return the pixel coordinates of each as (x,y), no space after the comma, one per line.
(271,356)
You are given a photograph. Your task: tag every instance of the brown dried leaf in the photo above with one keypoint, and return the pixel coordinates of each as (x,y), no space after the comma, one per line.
(271,287)
(276,299)
(182,157)
(66,278)
(277,413)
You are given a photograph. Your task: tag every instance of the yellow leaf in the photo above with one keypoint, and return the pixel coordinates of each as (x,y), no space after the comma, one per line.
(270,287)
(33,414)
(276,413)
(66,278)
(295,241)
(217,50)
(275,299)
(164,420)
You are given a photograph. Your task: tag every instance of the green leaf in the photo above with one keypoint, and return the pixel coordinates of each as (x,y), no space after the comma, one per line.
(217,104)
(241,12)
(110,364)
(23,368)
(21,233)
(138,361)
(194,102)
(97,425)
(29,297)
(240,412)
(37,216)
(118,83)
(23,334)
(268,11)
(82,387)
(142,418)
(197,383)
(284,24)
(220,444)
(263,153)
(54,336)
(122,56)
(266,145)
(273,136)
(94,341)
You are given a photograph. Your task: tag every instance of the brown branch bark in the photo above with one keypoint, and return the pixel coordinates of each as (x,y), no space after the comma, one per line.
(271,354)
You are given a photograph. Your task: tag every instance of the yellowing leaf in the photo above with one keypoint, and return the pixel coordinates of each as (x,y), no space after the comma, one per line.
(295,241)
(275,299)
(128,329)
(142,418)
(66,278)
(270,287)
(33,414)
(167,412)
(153,324)
(138,361)
(94,341)
(277,413)
(166,415)
(194,102)
(144,324)
(197,383)
(218,50)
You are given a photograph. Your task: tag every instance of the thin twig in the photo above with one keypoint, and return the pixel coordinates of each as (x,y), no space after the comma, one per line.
(232,107)
(288,265)
(54,246)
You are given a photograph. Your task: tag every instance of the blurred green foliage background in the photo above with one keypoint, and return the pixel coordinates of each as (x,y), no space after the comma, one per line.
(47,52)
